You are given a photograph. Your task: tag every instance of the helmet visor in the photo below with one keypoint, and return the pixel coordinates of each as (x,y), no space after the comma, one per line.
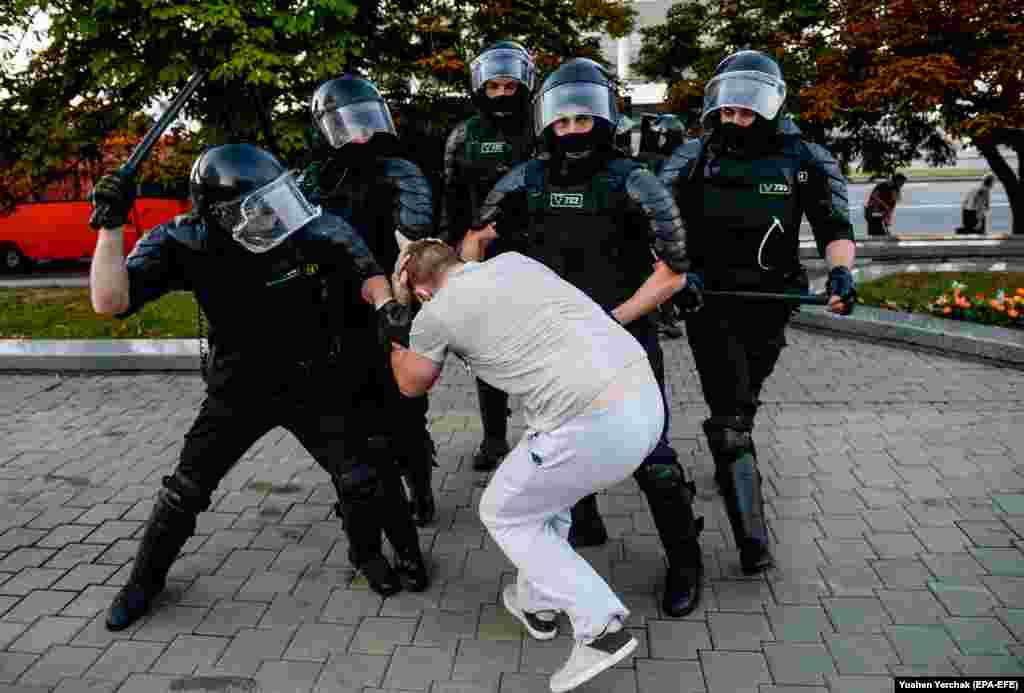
(756,91)
(269,215)
(573,99)
(357,121)
(502,63)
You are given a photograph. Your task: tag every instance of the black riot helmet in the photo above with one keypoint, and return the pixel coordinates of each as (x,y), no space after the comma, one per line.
(670,132)
(247,193)
(350,109)
(747,79)
(503,60)
(579,87)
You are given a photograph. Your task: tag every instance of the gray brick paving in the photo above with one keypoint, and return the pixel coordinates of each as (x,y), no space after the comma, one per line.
(894,483)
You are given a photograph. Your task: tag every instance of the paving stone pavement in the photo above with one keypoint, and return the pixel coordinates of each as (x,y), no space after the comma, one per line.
(894,483)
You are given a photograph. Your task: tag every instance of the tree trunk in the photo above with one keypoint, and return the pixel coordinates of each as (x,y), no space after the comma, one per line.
(1012,182)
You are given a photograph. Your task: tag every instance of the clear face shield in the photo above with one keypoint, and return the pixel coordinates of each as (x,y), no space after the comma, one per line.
(755,91)
(570,100)
(356,122)
(264,218)
(502,63)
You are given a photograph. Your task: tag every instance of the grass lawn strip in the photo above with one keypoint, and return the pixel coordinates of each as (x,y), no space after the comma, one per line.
(60,313)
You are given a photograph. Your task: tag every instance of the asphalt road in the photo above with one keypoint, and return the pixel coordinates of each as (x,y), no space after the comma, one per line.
(929,208)
(926,208)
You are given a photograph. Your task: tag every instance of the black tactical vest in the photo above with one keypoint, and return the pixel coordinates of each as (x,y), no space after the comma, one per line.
(487,155)
(264,312)
(744,220)
(586,235)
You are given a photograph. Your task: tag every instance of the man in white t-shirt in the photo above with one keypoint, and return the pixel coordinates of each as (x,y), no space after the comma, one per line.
(593,413)
(976,206)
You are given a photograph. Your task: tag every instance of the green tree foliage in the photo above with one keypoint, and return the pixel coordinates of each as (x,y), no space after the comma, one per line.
(105,61)
(799,34)
(916,67)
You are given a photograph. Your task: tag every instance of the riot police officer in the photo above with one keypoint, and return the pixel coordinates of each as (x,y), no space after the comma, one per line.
(666,133)
(479,151)
(744,189)
(624,135)
(662,135)
(593,216)
(360,177)
(264,265)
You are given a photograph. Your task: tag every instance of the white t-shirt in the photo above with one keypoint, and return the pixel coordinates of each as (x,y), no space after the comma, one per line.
(524,330)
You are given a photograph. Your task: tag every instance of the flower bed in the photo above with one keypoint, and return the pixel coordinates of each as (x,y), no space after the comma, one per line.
(989,298)
(1003,309)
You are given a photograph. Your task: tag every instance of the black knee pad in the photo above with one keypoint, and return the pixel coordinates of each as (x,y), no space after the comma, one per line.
(729,437)
(183,495)
(360,482)
(663,477)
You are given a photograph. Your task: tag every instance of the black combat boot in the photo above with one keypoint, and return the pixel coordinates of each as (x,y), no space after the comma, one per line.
(167,530)
(494,413)
(412,569)
(671,502)
(418,471)
(365,551)
(739,482)
(360,491)
(587,525)
(397,523)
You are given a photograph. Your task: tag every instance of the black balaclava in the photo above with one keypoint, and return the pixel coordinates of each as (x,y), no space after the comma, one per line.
(507,113)
(736,140)
(578,156)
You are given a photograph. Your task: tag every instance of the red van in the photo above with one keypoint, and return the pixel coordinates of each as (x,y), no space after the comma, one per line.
(60,230)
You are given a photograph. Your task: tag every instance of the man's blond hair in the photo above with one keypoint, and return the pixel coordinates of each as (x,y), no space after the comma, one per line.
(428,259)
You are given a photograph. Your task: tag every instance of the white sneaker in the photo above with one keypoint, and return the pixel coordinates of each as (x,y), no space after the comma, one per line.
(588,659)
(541,624)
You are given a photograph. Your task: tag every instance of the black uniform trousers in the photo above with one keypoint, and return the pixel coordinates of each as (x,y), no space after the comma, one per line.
(329,411)
(735,346)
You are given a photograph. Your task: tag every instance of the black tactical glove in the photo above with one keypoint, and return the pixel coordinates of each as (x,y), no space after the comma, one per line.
(112,198)
(691,298)
(393,323)
(840,283)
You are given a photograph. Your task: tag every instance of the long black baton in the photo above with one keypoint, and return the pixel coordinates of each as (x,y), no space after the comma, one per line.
(142,149)
(799,299)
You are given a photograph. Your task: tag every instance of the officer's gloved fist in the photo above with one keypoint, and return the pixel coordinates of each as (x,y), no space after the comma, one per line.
(112,198)
(840,283)
(690,298)
(393,323)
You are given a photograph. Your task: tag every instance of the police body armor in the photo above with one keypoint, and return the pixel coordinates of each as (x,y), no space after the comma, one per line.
(292,287)
(390,194)
(583,232)
(745,215)
(487,155)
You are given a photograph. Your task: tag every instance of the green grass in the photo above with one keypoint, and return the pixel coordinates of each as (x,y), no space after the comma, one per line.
(67,314)
(913,291)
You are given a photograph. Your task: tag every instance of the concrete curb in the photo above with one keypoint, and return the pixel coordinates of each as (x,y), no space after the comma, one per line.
(879,257)
(99,355)
(997,344)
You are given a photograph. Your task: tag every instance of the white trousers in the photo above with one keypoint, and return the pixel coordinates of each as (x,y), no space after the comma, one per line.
(526,505)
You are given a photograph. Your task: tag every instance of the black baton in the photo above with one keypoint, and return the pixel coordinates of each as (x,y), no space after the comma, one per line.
(143,148)
(799,299)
